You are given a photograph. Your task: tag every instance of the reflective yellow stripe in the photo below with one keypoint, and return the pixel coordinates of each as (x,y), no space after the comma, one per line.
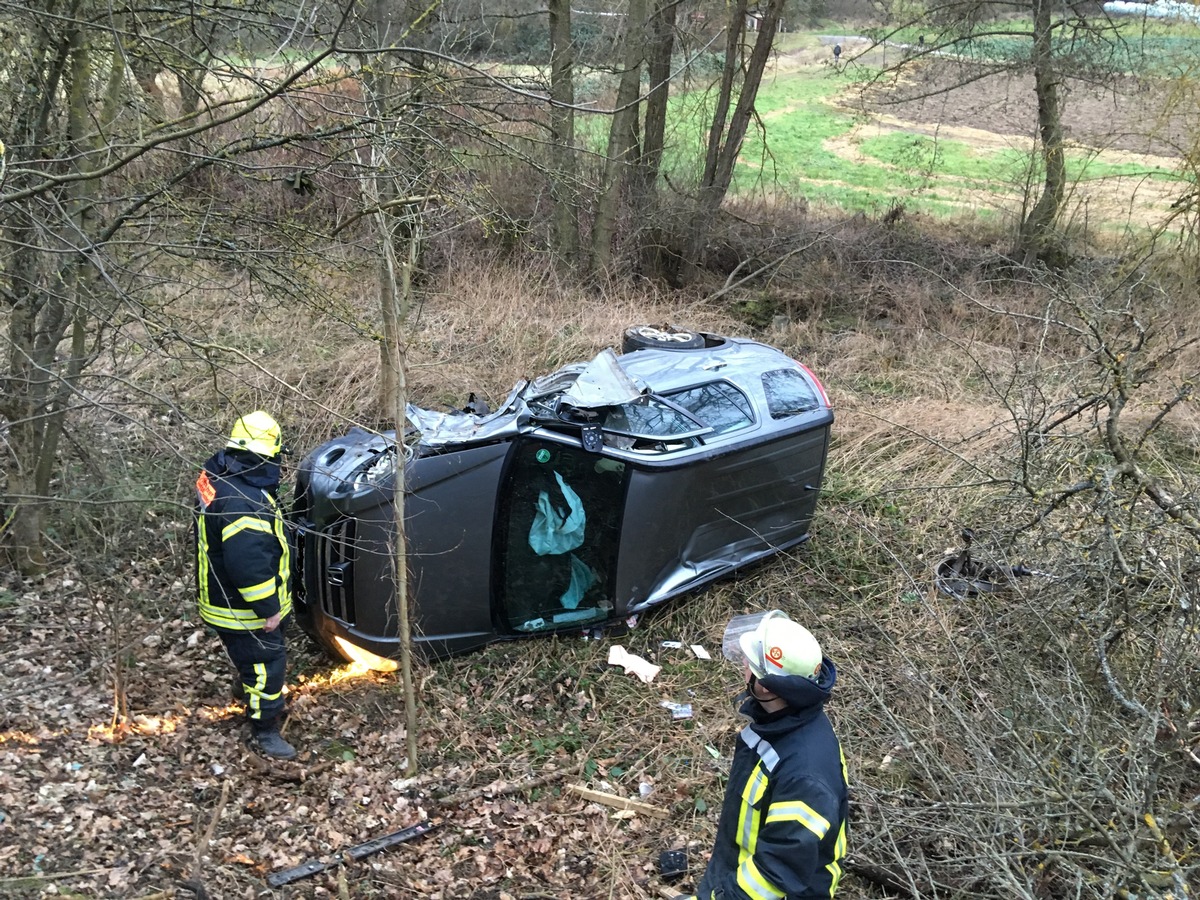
(751,881)
(285,559)
(254,694)
(835,868)
(225,617)
(244,523)
(202,559)
(798,811)
(259,591)
(756,785)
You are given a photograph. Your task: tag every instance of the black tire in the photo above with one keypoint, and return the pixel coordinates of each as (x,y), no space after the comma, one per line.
(971,581)
(666,337)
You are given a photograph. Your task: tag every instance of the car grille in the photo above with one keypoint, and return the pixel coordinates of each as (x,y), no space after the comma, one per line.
(335,572)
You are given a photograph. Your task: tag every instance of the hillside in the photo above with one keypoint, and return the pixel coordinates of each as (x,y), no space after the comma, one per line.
(1003,745)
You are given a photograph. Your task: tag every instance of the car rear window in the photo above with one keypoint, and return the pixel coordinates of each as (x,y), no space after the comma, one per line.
(788,393)
(719,405)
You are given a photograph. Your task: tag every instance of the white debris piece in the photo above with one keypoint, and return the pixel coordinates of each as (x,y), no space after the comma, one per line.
(633,665)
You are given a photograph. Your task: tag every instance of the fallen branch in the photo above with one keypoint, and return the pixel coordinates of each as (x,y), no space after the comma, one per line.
(32,881)
(494,790)
(616,802)
(294,774)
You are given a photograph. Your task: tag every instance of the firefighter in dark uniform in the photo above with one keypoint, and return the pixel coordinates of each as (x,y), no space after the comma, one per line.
(243,570)
(782,831)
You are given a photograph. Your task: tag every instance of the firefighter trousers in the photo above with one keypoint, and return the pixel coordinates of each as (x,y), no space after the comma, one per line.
(260,658)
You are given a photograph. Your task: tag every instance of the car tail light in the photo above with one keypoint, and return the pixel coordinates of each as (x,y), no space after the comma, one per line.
(817,382)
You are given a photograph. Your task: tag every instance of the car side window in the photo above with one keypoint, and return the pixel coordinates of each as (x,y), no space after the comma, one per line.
(788,393)
(719,405)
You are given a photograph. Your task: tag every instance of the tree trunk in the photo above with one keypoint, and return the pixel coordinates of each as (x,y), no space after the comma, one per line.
(1038,235)
(622,138)
(724,144)
(395,164)
(37,315)
(739,122)
(733,63)
(564,181)
(662,45)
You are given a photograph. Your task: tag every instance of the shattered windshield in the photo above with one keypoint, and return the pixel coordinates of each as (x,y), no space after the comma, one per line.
(651,417)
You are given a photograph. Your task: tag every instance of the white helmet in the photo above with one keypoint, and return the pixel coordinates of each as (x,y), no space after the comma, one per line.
(772,644)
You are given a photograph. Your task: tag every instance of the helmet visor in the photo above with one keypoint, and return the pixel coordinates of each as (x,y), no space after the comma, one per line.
(739,626)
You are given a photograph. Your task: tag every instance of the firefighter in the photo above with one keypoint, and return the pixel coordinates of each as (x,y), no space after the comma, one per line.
(243,570)
(782,831)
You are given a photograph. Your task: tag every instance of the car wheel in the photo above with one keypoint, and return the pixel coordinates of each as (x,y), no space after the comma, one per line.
(961,581)
(667,337)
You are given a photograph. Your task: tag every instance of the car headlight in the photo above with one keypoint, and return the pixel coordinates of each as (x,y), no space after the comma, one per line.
(364,657)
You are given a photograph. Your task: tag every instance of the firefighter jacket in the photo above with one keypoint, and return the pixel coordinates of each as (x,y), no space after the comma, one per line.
(782,831)
(243,564)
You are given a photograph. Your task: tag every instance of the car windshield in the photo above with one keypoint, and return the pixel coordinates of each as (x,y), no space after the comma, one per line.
(651,417)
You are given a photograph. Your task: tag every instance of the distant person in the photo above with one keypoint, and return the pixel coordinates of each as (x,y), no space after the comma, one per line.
(243,570)
(837,52)
(782,831)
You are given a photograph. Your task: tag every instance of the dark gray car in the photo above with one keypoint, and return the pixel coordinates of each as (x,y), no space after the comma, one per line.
(591,494)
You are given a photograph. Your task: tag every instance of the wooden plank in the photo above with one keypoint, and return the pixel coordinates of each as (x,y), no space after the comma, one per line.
(615,802)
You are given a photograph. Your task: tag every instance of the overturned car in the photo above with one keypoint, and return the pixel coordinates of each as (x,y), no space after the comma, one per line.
(589,495)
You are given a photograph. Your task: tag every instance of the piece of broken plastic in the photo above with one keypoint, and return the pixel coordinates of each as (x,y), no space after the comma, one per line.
(633,665)
(700,652)
(678,710)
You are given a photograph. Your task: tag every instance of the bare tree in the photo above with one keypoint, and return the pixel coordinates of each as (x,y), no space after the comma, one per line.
(623,138)
(969,40)
(89,175)
(728,130)
(1028,730)
(563,174)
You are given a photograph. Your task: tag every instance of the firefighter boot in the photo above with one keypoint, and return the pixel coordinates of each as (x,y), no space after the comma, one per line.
(271,743)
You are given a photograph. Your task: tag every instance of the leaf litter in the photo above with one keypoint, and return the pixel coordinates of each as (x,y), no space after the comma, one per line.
(131,778)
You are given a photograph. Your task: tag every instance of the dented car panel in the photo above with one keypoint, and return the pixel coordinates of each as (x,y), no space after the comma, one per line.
(592,493)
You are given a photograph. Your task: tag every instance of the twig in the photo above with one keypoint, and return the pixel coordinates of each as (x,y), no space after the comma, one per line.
(33,880)
(194,882)
(617,802)
(490,790)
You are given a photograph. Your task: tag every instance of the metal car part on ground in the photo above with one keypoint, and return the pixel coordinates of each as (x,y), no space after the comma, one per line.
(589,495)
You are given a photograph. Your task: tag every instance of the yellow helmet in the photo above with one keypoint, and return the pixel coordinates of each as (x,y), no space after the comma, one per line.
(257,432)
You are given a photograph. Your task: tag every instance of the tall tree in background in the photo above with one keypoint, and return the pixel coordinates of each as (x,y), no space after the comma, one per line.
(743,75)
(1050,42)
(622,137)
(661,49)
(564,227)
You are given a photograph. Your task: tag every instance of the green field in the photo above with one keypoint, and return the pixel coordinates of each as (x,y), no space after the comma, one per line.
(809,147)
